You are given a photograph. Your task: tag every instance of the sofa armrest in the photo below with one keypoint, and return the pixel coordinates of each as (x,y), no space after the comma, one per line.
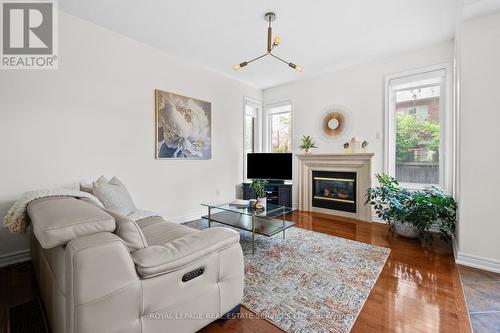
(103,290)
(161,259)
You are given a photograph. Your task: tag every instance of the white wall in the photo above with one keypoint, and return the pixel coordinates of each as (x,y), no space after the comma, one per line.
(479,151)
(360,89)
(95,116)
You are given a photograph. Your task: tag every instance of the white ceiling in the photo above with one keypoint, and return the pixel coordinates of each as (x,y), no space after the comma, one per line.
(319,35)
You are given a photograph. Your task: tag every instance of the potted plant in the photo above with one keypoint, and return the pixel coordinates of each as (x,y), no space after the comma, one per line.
(259,187)
(307,144)
(416,213)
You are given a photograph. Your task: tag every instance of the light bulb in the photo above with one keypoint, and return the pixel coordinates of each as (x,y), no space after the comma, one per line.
(297,67)
(238,66)
(277,40)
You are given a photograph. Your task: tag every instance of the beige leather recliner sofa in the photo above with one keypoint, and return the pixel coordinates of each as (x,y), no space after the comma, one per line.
(100,272)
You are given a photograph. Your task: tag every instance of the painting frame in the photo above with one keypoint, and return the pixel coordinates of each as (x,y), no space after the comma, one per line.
(193,116)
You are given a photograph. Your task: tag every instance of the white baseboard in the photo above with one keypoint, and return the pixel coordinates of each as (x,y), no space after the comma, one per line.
(454,243)
(477,262)
(186,218)
(14,258)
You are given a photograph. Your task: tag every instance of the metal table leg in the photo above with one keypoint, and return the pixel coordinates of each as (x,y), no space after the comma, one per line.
(283,222)
(209,216)
(253,234)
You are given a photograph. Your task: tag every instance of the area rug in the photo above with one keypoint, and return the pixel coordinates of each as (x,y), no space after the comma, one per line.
(307,282)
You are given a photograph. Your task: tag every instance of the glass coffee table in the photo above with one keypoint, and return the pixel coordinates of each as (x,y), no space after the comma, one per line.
(267,222)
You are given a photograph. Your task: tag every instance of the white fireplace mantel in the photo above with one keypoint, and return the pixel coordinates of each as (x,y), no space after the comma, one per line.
(360,163)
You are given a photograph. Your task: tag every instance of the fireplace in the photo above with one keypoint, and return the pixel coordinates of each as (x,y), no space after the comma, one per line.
(334,190)
(356,166)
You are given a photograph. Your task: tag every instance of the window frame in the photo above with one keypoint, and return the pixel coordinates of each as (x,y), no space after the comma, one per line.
(267,123)
(446,122)
(257,130)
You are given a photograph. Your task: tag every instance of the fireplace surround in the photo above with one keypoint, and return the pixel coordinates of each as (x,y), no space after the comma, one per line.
(355,174)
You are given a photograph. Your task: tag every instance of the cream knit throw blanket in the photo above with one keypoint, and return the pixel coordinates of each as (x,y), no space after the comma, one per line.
(17,219)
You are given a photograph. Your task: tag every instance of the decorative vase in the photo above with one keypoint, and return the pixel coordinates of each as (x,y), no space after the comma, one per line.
(406,229)
(262,201)
(355,145)
(308,151)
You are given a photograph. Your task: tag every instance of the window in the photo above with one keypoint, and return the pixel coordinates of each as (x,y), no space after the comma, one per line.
(251,129)
(279,128)
(418,127)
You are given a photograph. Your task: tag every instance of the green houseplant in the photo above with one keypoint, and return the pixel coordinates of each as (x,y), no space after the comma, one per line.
(413,213)
(307,144)
(259,187)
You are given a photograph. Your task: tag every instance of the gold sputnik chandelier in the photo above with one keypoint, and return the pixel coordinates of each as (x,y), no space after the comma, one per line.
(271,44)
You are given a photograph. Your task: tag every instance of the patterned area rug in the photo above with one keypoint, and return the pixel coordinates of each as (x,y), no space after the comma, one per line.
(307,282)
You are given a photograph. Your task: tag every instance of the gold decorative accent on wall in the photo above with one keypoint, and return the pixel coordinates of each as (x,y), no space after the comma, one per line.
(339,121)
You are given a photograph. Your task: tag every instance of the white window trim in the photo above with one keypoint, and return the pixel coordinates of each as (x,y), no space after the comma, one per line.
(266,126)
(258,122)
(446,119)
(257,135)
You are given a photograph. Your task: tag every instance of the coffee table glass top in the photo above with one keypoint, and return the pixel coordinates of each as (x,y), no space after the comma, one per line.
(266,222)
(271,211)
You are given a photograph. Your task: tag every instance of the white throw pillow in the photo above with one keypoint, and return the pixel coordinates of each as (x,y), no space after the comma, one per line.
(128,231)
(102,179)
(89,187)
(114,196)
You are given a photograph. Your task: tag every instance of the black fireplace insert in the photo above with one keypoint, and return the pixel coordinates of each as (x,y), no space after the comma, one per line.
(334,190)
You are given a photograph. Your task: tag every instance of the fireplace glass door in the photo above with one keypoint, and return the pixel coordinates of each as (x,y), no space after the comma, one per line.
(334,190)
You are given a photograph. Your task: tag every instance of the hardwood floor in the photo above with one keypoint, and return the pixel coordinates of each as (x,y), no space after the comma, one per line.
(17,286)
(419,289)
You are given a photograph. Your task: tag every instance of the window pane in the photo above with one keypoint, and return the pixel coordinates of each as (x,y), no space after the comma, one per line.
(249,133)
(418,133)
(280,124)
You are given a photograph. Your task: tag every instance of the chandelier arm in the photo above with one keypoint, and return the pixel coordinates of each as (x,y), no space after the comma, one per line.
(257,58)
(270,45)
(291,64)
(269,37)
(280,59)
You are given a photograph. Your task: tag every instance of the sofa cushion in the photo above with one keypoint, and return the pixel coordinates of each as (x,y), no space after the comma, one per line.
(158,231)
(114,195)
(57,220)
(128,231)
(161,259)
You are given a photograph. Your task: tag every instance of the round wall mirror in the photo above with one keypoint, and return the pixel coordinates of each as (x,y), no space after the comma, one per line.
(334,122)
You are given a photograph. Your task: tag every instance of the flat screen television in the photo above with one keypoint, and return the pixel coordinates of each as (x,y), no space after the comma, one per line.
(270,166)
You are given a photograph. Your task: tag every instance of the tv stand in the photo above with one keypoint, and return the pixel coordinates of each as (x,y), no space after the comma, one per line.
(278,193)
(275,182)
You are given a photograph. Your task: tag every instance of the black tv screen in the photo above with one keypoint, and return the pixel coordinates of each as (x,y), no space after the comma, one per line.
(269,166)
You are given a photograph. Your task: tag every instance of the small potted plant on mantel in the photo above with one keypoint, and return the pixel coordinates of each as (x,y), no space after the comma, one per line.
(413,213)
(259,187)
(307,144)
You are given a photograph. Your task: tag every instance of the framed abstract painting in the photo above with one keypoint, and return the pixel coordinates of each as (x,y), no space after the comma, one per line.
(183,127)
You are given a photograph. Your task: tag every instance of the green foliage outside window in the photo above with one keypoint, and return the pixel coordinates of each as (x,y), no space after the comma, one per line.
(412,133)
